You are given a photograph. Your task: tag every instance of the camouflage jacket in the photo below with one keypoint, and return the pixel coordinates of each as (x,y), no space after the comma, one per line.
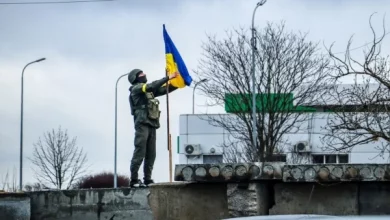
(138,98)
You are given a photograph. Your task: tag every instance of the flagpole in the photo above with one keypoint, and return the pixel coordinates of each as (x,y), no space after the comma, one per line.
(169,135)
(170,158)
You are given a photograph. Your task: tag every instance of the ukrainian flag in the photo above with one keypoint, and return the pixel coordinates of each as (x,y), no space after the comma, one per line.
(174,63)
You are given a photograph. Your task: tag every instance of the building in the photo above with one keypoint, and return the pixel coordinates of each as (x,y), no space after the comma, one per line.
(200,142)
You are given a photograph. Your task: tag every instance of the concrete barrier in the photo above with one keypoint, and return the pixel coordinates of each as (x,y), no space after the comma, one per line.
(169,201)
(274,188)
(344,198)
(14,206)
(100,204)
(189,201)
(329,189)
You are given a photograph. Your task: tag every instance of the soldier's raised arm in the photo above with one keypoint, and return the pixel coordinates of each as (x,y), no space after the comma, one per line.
(163,90)
(149,87)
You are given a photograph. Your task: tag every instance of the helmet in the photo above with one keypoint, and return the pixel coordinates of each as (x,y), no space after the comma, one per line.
(132,77)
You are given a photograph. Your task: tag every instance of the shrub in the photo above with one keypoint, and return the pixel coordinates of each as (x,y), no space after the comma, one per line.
(102,180)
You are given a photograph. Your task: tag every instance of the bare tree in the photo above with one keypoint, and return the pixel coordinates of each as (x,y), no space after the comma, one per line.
(14,186)
(58,160)
(289,75)
(233,151)
(5,183)
(6,186)
(361,110)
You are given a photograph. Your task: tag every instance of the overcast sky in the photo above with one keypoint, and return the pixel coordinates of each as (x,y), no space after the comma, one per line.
(89,45)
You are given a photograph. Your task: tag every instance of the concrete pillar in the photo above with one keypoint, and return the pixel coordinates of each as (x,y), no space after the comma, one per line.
(14,206)
(190,201)
(264,197)
(242,199)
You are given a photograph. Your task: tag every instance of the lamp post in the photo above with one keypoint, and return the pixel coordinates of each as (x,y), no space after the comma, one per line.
(116,128)
(253,44)
(21,126)
(193,94)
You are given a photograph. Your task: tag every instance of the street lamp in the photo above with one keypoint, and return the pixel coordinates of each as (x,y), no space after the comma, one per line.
(253,42)
(116,112)
(21,127)
(193,94)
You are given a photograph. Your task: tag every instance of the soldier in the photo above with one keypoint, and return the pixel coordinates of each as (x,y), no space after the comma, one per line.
(145,109)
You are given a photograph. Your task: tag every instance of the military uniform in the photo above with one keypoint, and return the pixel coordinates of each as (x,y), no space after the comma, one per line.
(145,109)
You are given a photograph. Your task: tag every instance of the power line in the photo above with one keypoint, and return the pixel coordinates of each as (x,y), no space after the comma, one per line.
(52,2)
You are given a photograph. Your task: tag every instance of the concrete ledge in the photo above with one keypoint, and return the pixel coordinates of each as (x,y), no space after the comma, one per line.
(14,206)
(336,172)
(228,172)
(185,200)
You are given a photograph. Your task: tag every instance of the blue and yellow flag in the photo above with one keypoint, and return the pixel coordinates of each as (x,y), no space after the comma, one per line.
(174,63)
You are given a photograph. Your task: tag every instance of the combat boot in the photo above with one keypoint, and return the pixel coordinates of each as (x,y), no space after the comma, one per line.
(136,184)
(148,182)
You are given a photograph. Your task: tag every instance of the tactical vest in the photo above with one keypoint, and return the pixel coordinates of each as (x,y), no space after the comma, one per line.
(152,106)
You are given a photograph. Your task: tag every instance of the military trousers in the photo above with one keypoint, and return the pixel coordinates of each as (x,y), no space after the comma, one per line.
(145,150)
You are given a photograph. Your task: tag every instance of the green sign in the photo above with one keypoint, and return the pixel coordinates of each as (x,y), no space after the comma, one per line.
(274,102)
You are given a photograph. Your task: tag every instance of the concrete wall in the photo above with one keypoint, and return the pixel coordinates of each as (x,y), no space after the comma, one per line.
(14,206)
(333,189)
(188,201)
(184,199)
(169,201)
(194,201)
(308,198)
(100,204)
(353,198)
